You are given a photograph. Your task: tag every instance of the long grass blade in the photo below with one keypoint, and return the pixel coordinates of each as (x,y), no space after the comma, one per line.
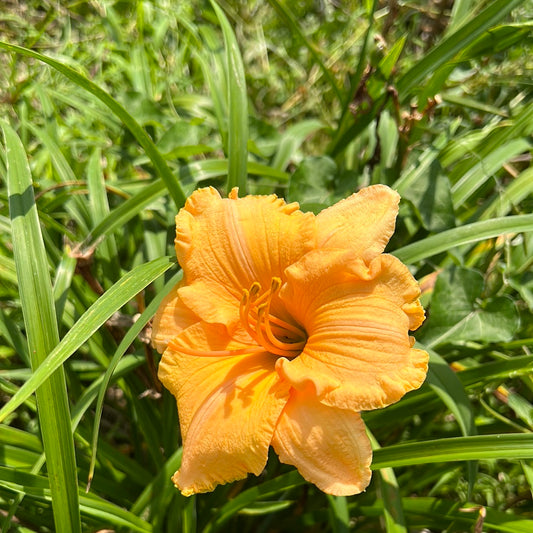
(41,329)
(453,44)
(463,235)
(237,106)
(500,446)
(163,170)
(121,350)
(118,295)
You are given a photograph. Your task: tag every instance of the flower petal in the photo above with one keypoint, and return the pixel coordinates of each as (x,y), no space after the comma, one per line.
(172,317)
(224,245)
(364,222)
(228,405)
(358,353)
(327,445)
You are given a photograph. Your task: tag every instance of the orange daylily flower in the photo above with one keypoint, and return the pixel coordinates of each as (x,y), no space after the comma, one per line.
(285,327)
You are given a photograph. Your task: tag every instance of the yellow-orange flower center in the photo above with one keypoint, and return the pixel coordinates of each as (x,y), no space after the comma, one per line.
(275,335)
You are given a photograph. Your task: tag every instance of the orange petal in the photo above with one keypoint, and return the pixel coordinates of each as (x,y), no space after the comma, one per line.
(228,405)
(327,445)
(224,245)
(171,318)
(364,222)
(358,354)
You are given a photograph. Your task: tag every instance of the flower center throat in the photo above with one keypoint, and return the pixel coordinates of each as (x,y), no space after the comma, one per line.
(275,335)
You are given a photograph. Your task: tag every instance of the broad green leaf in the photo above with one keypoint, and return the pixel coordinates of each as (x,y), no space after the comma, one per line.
(458,313)
(311,183)
(42,333)
(430,195)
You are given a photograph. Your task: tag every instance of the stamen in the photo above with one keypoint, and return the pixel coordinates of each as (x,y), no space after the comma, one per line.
(244,312)
(290,346)
(265,328)
(262,339)
(285,325)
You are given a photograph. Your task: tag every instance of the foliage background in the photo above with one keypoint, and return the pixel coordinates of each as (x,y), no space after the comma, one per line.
(136,108)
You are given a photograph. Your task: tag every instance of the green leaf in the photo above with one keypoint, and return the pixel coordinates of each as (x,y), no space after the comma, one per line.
(466,234)
(484,169)
(292,23)
(431,197)
(111,301)
(500,446)
(126,342)
(457,312)
(311,182)
(248,497)
(445,383)
(452,45)
(390,495)
(495,40)
(237,107)
(291,140)
(42,333)
(339,515)
(172,184)
(91,506)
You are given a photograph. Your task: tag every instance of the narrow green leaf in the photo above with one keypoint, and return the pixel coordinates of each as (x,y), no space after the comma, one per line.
(112,300)
(237,107)
(124,212)
(91,506)
(172,184)
(264,490)
(500,446)
(453,44)
(291,140)
(390,495)
(445,383)
(99,209)
(128,339)
(339,515)
(519,189)
(42,333)
(484,169)
(466,234)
